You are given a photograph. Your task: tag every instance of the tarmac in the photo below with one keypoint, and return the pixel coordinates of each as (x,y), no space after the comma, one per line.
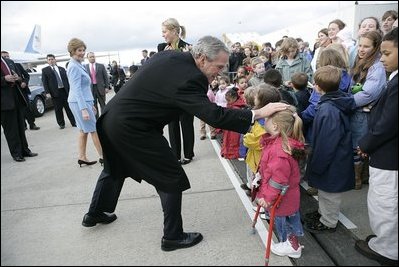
(43,201)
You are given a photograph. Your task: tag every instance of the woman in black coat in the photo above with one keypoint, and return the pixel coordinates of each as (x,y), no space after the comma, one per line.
(173,32)
(131,131)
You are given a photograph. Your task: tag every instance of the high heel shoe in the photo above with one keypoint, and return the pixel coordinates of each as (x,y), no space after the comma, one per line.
(80,162)
(101,161)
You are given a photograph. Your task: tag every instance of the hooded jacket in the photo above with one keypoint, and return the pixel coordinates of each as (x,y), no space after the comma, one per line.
(282,168)
(231,140)
(330,163)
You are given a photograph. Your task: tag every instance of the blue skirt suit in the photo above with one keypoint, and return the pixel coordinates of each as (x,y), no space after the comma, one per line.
(80,96)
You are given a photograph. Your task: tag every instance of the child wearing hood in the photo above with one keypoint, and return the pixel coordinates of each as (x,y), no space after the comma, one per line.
(330,163)
(282,147)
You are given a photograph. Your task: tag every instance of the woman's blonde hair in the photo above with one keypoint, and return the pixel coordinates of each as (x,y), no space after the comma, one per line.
(172,24)
(74,44)
(342,51)
(289,124)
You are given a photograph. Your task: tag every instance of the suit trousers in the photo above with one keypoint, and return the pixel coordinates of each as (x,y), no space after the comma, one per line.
(61,103)
(187,128)
(107,192)
(14,130)
(98,98)
(29,116)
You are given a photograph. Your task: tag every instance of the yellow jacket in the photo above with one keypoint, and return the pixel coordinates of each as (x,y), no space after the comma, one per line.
(252,142)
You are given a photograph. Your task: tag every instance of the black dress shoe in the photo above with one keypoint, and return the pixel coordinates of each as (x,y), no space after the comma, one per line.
(92,220)
(30,154)
(185,241)
(18,159)
(62,127)
(185,161)
(34,127)
(363,248)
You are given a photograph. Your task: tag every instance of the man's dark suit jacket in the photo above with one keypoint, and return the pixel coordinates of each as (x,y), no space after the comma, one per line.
(12,95)
(101,77)
(50,83)
(131,127)
(381,140)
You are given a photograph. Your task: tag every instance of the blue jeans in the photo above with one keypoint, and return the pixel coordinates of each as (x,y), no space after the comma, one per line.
(287,225)
(359,127)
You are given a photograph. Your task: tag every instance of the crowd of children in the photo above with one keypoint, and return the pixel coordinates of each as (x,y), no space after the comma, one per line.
(330,107)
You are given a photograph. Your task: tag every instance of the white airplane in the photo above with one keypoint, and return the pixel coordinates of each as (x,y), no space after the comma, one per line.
(32,54)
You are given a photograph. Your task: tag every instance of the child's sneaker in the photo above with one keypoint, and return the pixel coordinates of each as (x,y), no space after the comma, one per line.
(285,249)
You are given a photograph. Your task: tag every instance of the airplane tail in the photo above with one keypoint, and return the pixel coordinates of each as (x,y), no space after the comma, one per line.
(35,41)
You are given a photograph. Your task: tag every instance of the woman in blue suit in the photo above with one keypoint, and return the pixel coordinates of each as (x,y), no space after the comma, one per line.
(81,100)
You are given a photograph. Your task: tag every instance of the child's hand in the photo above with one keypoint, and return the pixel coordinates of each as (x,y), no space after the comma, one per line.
(361,153)
(262,202)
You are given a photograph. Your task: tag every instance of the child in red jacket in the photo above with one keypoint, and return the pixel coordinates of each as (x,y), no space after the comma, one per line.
(231,140)
(282,146)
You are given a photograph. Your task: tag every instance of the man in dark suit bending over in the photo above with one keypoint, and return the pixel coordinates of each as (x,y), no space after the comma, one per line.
(131,132)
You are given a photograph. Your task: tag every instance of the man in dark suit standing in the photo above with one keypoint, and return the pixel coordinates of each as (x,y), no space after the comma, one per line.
(13,104)
(55,83)
(99,81)
(236,58)
(131,132)
(29,116)
(145,56)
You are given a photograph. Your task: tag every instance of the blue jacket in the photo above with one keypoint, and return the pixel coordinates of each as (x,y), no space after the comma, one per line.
(79,84)
(308,114)
(330,163)
(373,86)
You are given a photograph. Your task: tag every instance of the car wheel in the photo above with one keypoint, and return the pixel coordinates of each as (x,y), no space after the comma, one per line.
(38,106)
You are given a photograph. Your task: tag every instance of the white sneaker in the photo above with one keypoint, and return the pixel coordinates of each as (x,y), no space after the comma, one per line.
(285,249)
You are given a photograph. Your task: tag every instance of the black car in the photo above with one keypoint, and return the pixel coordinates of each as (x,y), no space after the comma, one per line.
(39,102)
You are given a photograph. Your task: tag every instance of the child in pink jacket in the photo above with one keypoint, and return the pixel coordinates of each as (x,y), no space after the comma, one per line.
(283,145)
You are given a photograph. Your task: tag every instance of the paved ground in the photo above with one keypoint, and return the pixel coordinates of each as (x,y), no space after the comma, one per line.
(44,199)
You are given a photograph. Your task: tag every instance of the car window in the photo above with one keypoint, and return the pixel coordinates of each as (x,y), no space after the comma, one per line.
(35,79)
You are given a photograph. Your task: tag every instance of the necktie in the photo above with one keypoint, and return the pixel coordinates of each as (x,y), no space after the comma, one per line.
(5,68)
(93,74)
(59,81)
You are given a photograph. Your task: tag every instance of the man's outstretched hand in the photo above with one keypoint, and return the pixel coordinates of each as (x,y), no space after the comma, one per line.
(270,109)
